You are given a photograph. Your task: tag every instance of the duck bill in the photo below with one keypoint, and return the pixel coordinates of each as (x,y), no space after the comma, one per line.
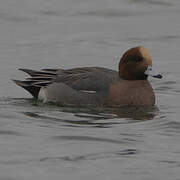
(150,72)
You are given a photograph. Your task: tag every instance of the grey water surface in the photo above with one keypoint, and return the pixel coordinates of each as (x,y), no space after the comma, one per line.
(44,141)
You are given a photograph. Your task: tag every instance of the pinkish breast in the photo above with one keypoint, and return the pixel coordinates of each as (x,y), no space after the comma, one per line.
(126,92)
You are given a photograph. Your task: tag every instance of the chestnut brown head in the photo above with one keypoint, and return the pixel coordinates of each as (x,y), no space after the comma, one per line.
(136,64)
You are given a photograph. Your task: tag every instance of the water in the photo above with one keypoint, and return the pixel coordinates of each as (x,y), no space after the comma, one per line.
(50,142)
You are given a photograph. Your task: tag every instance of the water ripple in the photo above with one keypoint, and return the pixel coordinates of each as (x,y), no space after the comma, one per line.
(10,133)
(74,118)
(109,13)
(170,163)
(89,138)
(93,156)
(153,2)
(6,17)
(162,38)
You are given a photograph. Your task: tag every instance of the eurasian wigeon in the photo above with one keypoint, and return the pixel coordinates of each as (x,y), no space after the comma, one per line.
(95,85)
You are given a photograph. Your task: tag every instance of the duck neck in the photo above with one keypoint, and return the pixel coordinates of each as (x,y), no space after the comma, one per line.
(135,76)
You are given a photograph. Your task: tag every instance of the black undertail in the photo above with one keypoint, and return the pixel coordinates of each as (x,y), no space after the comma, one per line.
(37,80)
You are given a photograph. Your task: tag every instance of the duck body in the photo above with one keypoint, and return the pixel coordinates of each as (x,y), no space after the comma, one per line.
(95,85)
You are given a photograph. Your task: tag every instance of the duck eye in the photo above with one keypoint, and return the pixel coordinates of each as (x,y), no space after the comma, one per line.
(140,59)
(137,58)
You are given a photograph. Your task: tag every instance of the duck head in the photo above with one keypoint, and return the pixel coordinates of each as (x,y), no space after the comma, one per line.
(136,64)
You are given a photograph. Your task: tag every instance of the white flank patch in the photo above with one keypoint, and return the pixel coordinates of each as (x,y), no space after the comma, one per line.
(88,91)
(42,95)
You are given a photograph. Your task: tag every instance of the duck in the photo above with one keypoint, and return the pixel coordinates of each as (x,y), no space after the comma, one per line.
(96,86)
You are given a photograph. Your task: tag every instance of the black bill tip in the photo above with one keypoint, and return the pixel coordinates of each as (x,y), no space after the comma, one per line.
(158,76)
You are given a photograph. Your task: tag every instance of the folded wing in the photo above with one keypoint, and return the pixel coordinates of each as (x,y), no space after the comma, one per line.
(80,79)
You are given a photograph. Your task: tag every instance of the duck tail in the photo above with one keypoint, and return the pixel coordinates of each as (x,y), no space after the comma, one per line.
(27,85)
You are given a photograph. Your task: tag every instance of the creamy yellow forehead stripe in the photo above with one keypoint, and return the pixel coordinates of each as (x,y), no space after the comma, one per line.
(146,55)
